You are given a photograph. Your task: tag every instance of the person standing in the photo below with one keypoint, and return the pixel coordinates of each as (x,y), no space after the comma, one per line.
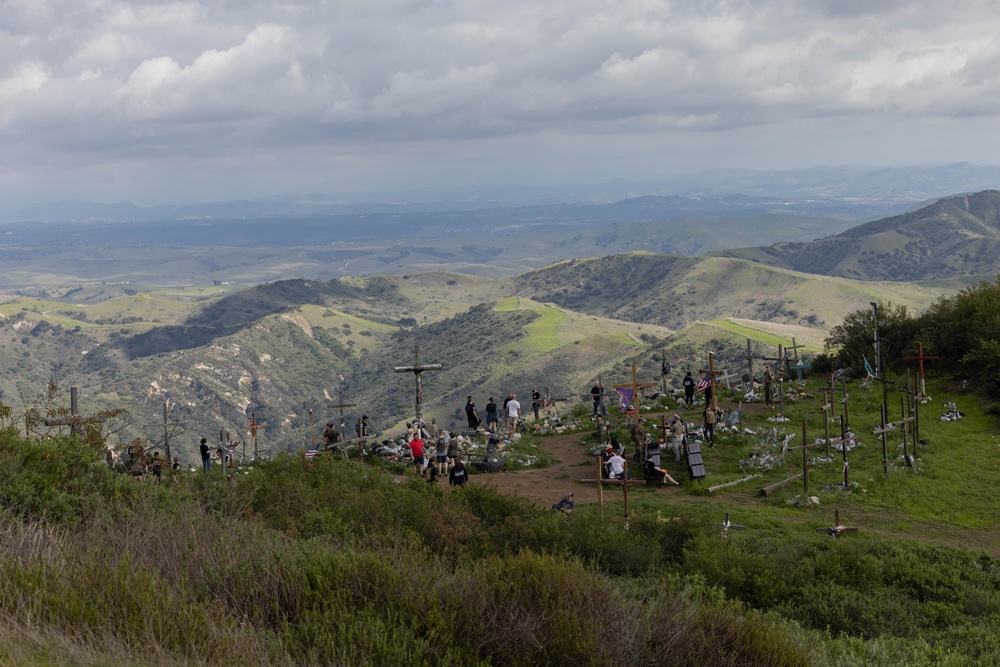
(676,436)
(711,419)
(441,453)
(597,395)
(452,448)
(513,414)
(417,451)
(689,385)
(492,416)
(536,401)
(206,456)
(472,414)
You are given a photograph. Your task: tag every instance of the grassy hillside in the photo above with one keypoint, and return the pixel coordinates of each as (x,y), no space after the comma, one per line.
(284,348)
(678,291)
(955,237)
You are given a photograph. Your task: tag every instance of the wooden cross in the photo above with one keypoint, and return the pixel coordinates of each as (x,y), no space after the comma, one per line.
(836,529)
(726,377)
(828,399)
(340,405)
(921,358)
(166,432)
(252,430)
(795,350)
(711,373)
(782,357)
(417,368)
(635,386)
(74,420)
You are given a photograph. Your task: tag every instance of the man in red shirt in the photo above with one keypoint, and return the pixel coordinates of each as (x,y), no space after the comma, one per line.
(417,450)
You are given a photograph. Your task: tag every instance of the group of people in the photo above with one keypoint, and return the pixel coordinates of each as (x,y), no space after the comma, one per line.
(436,456)
(511,411)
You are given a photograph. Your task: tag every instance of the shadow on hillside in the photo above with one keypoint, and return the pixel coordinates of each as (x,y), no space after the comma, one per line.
(235,312)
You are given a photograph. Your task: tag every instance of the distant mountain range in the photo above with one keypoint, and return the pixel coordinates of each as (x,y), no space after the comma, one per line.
(955,237)
(848,187)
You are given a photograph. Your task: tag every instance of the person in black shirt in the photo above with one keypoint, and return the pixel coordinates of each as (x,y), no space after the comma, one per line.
(472,414)
(689,386)
(536,401)
(206,456)
(492,416)
(458,476)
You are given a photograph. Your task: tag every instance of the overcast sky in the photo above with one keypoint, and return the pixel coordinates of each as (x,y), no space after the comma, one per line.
(170,102)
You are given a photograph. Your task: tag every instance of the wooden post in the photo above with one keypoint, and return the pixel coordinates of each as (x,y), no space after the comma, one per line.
(625,484)
(711,373)
(312,430)
(74,420)
(600,486)
(340,405)
(843,443)
(635,386)
(921,358)
(805,461)
(885,419)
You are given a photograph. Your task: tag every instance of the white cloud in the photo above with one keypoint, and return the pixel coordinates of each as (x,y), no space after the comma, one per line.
(158,85)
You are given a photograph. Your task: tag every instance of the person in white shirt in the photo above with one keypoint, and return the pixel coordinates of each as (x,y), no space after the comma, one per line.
(513,414)
(616,466)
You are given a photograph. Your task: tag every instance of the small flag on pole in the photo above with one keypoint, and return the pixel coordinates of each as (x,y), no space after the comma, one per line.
(703,385)
(313,452)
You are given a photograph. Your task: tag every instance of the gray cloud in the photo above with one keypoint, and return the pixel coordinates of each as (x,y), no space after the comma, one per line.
(111,98)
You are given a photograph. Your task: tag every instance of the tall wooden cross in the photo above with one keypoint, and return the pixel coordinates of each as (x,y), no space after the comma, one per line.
(635,386)
(340,405)
(711,373)
(795,350)
(74,420)
(921,358)
(166,432)
(254,427)
(417,368)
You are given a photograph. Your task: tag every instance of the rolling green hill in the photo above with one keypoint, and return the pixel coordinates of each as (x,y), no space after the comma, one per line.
(955,237)
(284,348)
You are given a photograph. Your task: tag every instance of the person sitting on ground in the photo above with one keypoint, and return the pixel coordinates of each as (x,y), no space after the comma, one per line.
(458,476)
(616,466)
(432,474)
(656,474)
(566,505)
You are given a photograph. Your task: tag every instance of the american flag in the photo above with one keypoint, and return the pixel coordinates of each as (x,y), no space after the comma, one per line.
(253,425)
(313,452)
(703,385)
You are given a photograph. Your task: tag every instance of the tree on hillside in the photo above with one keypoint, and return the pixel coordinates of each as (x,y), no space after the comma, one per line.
(854,340)
(964,330)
